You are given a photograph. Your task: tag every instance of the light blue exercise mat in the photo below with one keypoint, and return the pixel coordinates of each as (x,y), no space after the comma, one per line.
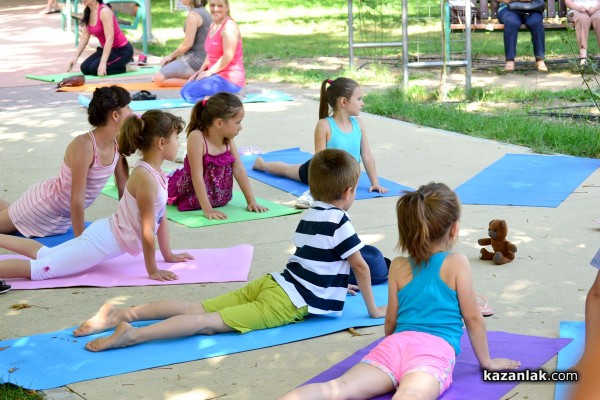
(161,104)
(296,156)
(527,180)
(569,355)
(55,240)
(58,358)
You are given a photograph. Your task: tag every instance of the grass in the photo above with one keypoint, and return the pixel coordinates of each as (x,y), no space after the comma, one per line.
(11,392)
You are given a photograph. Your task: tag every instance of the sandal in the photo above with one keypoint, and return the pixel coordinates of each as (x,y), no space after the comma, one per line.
(486,310)
(143,95)
(4,287)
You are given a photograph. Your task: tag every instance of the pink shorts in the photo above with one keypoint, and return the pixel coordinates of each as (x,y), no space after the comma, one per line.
(406,352)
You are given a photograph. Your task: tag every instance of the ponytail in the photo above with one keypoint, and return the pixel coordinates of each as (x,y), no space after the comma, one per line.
(339,87)
(139,133)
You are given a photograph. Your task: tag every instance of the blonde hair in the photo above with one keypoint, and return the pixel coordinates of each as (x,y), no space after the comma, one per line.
(424,218)
(330,173)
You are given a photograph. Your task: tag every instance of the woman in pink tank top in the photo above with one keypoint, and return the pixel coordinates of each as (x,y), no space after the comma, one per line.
(53,205)
(223,69)
(135,225)
(114,52)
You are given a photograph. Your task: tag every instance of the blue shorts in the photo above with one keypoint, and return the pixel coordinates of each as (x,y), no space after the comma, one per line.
(197,90)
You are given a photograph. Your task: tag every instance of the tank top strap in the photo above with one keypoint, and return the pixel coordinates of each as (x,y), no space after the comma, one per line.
(160,177)
(205,145)
(432,267)
(94,146)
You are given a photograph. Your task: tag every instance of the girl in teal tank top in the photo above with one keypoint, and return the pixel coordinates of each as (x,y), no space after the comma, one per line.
(430,295)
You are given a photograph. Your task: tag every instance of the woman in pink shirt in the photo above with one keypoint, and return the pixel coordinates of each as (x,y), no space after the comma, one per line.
(140,216)
(223,68)
(115,51)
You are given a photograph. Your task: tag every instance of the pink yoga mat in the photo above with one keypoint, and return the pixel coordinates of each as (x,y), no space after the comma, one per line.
(209,265)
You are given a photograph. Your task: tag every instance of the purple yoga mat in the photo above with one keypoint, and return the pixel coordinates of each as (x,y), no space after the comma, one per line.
(209,265)
(532,351)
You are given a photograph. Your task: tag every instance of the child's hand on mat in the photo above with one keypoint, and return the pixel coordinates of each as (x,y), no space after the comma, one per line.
(179,257)
(254,206)
(378,188)
(352,289)
(214,214)
(163,275)
(379,312)
(501,364)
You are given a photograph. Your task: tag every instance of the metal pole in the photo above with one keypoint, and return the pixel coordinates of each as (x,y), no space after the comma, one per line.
(149,36)
(405,43)
(468,46)
(350,34)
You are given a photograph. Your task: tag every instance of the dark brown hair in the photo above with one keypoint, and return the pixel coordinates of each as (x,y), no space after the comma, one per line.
(85,20)
(424,218)
(330,173)
(104,101)
(222,105)
(138,133)
(339,87)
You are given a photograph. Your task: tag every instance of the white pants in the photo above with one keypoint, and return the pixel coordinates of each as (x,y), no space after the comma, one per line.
(96,244)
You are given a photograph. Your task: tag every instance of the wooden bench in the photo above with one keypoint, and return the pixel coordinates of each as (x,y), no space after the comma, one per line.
(130,14)
(486,16)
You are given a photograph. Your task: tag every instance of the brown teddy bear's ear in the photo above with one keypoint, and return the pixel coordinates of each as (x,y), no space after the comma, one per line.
(491,222)
(503,224)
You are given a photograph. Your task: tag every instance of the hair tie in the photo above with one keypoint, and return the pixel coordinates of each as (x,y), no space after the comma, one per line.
(329,81)
(204,102)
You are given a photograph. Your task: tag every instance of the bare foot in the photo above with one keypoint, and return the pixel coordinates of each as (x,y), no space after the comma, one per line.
(120,338)
(104,319)
(259,164)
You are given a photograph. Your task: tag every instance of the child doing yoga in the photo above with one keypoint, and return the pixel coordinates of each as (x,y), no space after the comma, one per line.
(206,179)
(315,280)
(342,130)
(53,205)
(132,229)
(430,295)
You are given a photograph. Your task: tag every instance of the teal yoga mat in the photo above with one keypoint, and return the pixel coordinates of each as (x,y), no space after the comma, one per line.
(527,180)
(58,358)
(143,105)
(569,356)
(235,210)
(59,77)
(55,240)
(296,156)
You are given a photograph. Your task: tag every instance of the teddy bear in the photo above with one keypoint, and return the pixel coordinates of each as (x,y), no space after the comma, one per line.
(504,251)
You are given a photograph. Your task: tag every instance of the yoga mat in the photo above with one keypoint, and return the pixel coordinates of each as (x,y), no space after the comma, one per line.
(532,351)
(296,156)
(527,180)
(266,96)
(51,241)
(569,356)
(130,86)
(209,265)
(143,105)
(56,359)
(235,210)
(59,77)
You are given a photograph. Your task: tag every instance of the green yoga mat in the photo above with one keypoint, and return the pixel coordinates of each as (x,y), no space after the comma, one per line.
(235,210)
(59,77)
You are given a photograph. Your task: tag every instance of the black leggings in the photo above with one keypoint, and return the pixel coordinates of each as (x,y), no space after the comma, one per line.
(116,64)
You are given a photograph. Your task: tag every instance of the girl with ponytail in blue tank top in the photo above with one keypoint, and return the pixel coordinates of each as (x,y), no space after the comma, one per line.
(342,130)
(431,295)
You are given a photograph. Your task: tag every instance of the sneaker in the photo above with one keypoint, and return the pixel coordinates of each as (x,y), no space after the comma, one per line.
(4,287)
(142,59)
(305,201)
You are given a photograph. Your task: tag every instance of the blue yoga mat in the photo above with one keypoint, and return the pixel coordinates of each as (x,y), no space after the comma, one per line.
(296,156)
(527,180)
(52,241)
(159,104)
(58,358)
(569,356)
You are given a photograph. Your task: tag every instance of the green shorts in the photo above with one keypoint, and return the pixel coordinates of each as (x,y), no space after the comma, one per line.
(260,304)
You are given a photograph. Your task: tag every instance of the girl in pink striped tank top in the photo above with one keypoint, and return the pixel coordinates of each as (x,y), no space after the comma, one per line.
(206,179)
(53,205)
(132,229)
